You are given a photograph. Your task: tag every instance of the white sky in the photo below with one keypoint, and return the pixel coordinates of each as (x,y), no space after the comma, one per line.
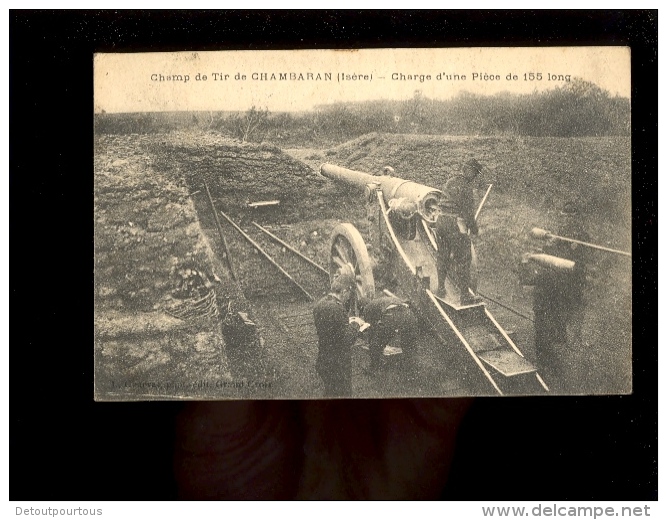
(127,82)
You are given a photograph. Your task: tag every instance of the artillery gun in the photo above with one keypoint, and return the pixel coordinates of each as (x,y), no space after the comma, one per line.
(403,261)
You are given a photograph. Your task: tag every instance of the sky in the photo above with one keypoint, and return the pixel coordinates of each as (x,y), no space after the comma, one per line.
(298,80)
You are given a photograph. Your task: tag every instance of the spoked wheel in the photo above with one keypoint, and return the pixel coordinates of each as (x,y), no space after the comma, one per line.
(348,247)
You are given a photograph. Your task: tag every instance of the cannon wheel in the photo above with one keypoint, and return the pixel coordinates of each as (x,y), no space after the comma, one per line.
(348,246)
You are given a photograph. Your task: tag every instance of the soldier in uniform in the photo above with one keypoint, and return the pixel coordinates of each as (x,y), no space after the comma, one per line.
(336,335)
(549,309)
(391,323)
(453,227)
(559,306)
(574,284)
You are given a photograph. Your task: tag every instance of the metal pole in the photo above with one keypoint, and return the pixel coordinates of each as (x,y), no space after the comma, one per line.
(266,255)
(481,204)
(225,252)
(548,235)
(286,245)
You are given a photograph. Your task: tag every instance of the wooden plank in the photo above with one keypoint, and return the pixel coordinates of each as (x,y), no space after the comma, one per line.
(263,203)
(290,248)
(460,307)
(507,362)
(225,247)
(267,256)
(467,346)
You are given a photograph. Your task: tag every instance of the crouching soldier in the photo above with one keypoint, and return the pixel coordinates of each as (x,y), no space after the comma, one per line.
(392,323)
(336,334)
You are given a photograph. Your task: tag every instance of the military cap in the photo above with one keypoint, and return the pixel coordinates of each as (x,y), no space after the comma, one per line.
(473,166)
(344,279)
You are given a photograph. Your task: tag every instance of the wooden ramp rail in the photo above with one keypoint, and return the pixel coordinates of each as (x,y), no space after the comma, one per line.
(268,257)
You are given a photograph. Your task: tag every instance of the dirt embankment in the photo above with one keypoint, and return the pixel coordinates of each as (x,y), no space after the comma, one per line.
(156,290)
(237,173)
(155,237)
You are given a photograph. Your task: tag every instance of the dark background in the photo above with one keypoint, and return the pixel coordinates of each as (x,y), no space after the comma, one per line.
(63,446)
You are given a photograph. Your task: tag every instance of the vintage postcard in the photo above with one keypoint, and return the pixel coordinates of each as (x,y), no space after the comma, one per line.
(362,223)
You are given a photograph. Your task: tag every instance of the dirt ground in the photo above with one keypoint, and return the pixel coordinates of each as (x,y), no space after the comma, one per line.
(531,177)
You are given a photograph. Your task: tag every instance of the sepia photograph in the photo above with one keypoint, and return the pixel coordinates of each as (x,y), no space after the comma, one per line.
(367,223)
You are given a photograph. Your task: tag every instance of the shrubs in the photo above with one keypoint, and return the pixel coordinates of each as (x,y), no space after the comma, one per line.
(579,108)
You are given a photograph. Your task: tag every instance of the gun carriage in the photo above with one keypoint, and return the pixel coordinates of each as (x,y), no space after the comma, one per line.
(399,256)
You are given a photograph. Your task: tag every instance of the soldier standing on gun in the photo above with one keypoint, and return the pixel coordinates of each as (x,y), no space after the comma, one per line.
(336,335)
(454,225)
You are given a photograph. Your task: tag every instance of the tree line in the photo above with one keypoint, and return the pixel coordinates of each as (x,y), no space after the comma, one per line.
(578,108)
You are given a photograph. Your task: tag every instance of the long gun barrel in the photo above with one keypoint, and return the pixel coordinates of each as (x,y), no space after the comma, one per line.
(425,197)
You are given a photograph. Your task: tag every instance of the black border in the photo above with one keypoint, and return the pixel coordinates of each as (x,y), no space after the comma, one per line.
(65,446)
